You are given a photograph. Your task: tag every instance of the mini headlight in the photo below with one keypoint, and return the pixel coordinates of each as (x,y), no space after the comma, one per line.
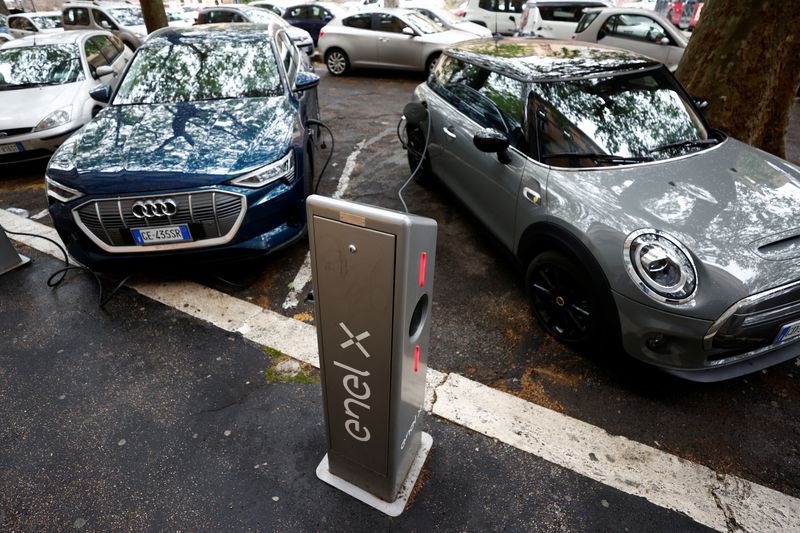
(62,193)
(55,119)
(660,266)
(279,170)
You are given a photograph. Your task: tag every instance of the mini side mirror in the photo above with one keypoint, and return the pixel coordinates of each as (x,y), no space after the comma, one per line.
(305,81)
(102,70)
(492,141)
(409,31)
(101,93)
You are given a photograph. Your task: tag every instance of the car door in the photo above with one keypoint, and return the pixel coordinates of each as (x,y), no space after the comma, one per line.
(467,100)
(21,27)
(395,48)
(638,33)
(359,41)
(298,16)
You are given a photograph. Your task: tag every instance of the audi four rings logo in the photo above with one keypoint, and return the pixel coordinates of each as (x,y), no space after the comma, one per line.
(154,208)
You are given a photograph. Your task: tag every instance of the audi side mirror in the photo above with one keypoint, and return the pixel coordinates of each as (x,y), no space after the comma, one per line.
(492,141)
(305,81)
(101,93)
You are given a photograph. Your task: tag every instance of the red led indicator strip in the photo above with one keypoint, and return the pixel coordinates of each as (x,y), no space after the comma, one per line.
(416,359)
(423,259)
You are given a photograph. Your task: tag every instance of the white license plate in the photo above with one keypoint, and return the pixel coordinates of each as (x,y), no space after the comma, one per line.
(788,332)
(9,148)
(144,236)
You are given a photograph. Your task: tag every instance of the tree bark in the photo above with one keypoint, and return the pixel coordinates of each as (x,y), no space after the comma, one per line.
(3,8)
(154,15)
(743,58)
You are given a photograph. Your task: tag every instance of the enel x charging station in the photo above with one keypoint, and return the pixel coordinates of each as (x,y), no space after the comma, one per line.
(372,272)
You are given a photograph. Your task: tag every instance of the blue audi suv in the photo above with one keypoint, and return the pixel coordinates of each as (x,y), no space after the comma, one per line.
(203,156)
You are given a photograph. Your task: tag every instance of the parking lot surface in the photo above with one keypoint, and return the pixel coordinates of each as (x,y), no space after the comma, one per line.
(482,329)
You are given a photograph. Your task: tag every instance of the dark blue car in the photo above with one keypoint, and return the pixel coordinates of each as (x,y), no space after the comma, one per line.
(203,155)
(312,16)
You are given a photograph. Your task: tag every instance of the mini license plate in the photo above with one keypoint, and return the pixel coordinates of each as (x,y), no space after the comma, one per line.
(10,148)
(145,236)
(788,332)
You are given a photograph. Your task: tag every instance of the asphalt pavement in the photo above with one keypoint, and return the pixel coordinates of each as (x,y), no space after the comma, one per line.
(139,417)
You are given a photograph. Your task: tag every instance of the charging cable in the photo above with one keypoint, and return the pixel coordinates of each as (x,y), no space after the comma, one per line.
(318,124)
(407,146)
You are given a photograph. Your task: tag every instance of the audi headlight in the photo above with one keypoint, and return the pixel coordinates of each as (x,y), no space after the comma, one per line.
(279,170)
(62,193)
(55,119)
(660,266)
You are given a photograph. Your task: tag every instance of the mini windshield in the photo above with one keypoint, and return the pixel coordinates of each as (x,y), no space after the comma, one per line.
(127,16)
(628,118)
(422,23)
(35,66)
(200,70)
(47,22)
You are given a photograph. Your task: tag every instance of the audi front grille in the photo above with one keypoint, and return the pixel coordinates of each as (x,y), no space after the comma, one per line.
(213,218)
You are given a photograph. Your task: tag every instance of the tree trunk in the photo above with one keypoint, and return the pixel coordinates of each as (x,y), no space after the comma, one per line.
(743,58)
(154,15)
(3,8)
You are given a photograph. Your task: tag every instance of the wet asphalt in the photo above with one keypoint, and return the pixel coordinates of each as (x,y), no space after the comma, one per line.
(138,417)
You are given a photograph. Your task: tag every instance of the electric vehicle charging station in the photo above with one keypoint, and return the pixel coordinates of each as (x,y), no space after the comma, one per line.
(9,258)
(372,272)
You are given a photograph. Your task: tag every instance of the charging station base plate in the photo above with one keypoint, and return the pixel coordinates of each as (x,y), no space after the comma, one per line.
(23,260)
(394,508)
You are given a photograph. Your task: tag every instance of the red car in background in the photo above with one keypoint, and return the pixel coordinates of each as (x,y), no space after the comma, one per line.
(684,15)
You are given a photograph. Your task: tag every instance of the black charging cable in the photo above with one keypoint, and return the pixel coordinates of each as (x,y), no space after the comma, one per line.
(57,277)
(318,124)
(407,146)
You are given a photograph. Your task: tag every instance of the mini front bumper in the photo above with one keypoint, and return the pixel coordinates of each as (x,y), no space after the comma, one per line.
(674,342)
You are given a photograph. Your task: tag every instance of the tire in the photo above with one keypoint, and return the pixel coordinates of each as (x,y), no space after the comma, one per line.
(337,61)
(567,303)
(414,149)
(430,64)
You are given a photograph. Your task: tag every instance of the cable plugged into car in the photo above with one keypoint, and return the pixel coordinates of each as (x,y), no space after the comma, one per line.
(319,124)
(414,114)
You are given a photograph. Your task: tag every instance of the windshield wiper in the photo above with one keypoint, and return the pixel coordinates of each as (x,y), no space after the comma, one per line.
(598,157)
(684,143)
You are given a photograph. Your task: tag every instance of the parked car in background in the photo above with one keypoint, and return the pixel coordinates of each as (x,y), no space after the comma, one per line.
(178,18)
(24,24)
(45,81)
(122,19)
(5,33)
(276,6)
(554,19)
(385,38)
(312,16)
(683,15)
(644,32)
(256,15)
(203,154)
(635,222)
(500,16)
(446,20)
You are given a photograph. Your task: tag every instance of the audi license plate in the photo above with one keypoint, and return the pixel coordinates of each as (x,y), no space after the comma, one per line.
(10,148)
(144,236)
(788,332)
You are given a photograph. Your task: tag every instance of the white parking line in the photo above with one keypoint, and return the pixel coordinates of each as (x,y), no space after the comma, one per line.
(714,499)
(303,276)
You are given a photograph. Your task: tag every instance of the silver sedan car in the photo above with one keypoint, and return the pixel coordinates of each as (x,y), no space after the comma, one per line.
(385,38)
(638,225)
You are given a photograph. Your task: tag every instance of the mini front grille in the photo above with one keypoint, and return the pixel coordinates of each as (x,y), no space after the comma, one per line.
(212,217)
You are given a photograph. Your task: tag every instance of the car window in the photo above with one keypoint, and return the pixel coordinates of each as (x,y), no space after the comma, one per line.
(32,66)
(586,20)
(100,18)
(220,15)
(634,27)
(299,12)
(127,16)
(627,115)
(488,98)
(21,23)
(118,44)
(390,23)
(561,13)
(359,21)
(316,13)
(76,16)
(47,22)
(287,51)
(503,6)
(422,23)
(94,51)
(190,70)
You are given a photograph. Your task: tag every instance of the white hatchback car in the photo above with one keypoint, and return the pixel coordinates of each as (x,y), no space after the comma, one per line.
(44,86)
(24,24)
(638,30)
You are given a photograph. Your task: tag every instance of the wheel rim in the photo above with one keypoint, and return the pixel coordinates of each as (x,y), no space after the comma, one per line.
(561,303)
(337,63)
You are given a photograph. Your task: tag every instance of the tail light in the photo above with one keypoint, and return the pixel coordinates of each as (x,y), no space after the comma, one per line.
(321,33)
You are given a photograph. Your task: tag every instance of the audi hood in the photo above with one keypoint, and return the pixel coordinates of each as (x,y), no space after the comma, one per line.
(142,148)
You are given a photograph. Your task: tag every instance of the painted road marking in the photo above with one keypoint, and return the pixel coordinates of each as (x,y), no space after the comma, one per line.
(717,500)
(303,276)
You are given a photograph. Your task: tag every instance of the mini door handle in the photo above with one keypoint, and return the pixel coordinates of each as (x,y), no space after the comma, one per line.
(449,133)
(534,197)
